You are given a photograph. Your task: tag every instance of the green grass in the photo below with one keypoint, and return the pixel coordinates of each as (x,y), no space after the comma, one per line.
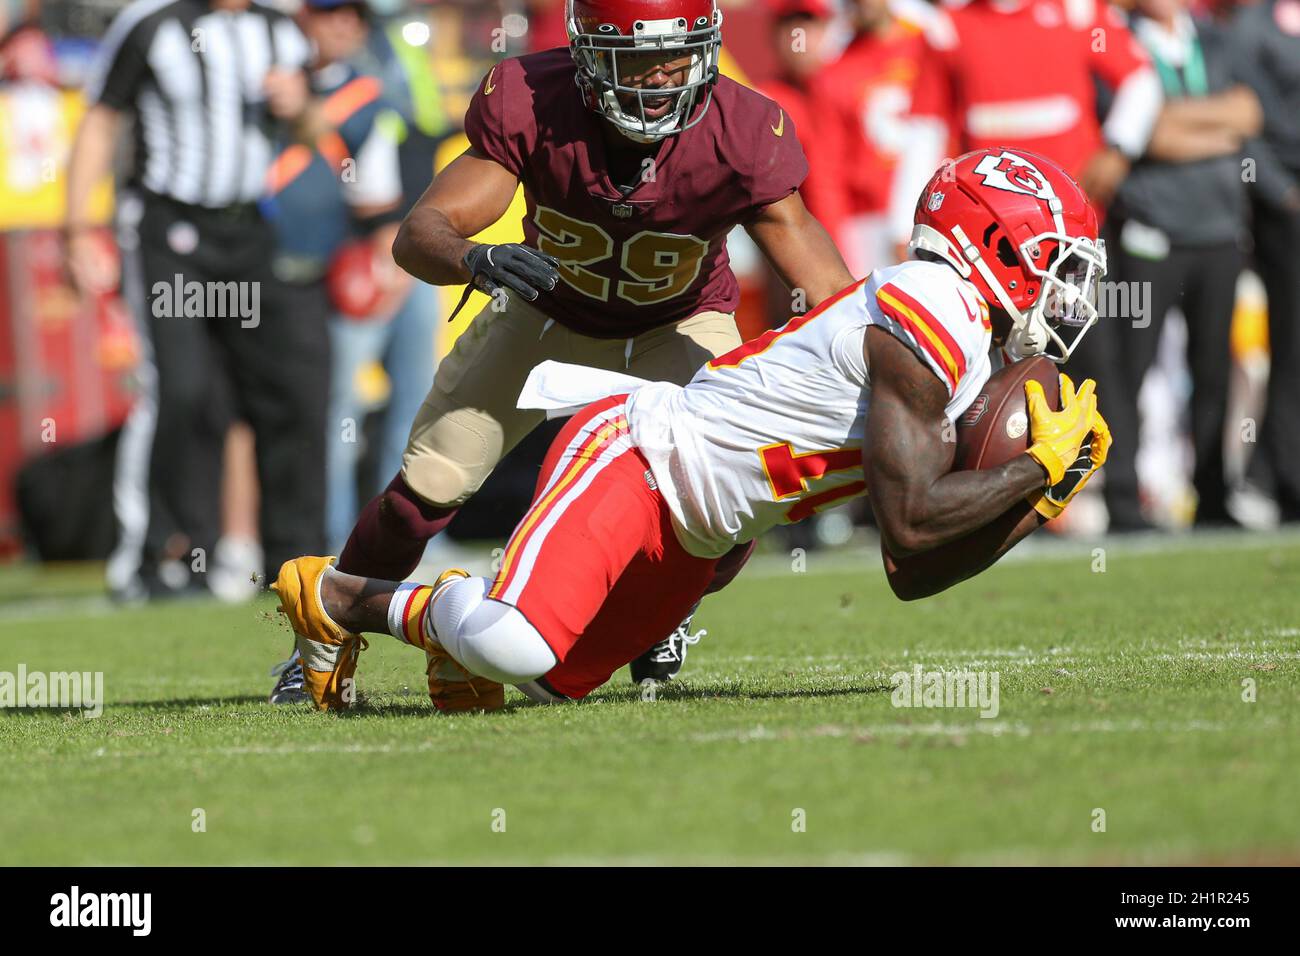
(1119,690)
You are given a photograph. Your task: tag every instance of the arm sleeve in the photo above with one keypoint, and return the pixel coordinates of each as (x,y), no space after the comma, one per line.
(1133,113)
(486,121)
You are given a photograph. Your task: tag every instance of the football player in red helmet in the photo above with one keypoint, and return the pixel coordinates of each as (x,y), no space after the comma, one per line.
(1022,231)
(637,159)
(651,485)
(618,45)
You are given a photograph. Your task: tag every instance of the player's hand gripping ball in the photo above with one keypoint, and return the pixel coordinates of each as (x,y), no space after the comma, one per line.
(1028,408)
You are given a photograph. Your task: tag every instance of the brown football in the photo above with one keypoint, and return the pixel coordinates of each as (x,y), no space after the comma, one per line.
(995,428)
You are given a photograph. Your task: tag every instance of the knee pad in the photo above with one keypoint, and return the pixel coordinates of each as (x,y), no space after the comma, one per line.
(448,475)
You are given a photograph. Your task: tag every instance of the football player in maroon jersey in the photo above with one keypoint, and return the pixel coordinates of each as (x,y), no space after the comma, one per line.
(637,159)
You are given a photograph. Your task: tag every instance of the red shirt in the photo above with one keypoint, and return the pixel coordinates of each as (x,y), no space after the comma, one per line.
(658,255)
(1022,76)
(862,99)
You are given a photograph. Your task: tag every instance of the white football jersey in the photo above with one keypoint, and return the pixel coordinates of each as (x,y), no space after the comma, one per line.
(772,431)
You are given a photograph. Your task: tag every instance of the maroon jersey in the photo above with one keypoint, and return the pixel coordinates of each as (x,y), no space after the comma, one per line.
(659,254)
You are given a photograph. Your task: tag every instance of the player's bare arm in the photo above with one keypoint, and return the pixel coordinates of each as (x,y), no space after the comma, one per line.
(465,198)
(800,249)
(920,503)
(930,572)
(468,196)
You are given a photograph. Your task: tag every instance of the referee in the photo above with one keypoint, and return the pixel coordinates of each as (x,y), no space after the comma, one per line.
(211,84)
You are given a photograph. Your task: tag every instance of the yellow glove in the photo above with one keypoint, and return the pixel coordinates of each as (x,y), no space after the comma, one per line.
(1092,455)
(1055,437)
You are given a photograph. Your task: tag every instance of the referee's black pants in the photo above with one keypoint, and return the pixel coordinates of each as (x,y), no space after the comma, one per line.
(1202,281)
(262,357)
(1276,462)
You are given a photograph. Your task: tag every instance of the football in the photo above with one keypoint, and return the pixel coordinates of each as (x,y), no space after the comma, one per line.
(995,428)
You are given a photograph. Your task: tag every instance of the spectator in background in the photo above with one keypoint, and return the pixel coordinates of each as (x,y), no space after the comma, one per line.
(546,27)
(863,98)
(209,82)
(404,341)
(1169,251)
(1023,73)
(1267,46)
(336,207)
(800,33)
(26,54)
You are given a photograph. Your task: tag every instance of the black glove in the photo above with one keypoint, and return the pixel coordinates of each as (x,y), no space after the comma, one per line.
(514,266)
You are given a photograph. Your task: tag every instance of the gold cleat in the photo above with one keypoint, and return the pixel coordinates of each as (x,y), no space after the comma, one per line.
(329,653)
(453,689)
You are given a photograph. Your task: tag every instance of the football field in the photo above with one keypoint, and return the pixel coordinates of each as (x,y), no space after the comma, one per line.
(1147,711)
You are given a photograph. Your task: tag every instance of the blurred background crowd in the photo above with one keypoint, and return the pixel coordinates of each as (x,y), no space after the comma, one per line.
(1181,119)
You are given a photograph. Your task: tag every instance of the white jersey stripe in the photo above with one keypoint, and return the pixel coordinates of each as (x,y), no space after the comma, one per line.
(177,71)
(225,117)
(527,559)
(157,139)
(527,525)
(111,45)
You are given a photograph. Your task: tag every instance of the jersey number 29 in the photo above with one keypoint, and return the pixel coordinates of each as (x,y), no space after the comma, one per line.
(661,265)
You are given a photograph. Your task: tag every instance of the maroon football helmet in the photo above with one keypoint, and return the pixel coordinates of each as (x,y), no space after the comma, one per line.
(1018,227)
(602,31)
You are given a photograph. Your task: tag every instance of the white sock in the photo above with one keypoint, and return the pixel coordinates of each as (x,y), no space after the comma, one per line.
(488,638)
(397,610)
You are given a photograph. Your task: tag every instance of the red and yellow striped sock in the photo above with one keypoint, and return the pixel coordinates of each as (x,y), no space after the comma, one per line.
(408,616)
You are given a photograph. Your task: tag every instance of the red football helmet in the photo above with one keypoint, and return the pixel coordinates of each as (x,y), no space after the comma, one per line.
(602,30)
(1015,224)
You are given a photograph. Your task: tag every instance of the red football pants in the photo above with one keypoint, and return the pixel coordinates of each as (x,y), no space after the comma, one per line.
(594,565)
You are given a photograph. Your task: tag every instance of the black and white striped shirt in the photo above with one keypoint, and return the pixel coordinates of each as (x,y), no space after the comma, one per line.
(193,75)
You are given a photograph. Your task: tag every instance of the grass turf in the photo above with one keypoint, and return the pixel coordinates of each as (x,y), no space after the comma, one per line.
(1120,691)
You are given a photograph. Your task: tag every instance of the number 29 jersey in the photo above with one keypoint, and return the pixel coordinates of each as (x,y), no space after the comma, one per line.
(772,432)
(657,254)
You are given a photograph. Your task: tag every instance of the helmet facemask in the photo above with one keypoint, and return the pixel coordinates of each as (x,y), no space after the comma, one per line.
(1067,298)
(1066,301)
(598,57)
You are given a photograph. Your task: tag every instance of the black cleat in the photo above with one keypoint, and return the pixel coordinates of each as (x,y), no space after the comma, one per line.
(290,685)
(664,661)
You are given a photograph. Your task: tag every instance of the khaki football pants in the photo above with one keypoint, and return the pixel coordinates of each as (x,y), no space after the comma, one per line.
(469,420)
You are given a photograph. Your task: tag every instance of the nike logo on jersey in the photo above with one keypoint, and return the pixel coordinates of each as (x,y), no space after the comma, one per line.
(970,313)
(779,128)
(487,84)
